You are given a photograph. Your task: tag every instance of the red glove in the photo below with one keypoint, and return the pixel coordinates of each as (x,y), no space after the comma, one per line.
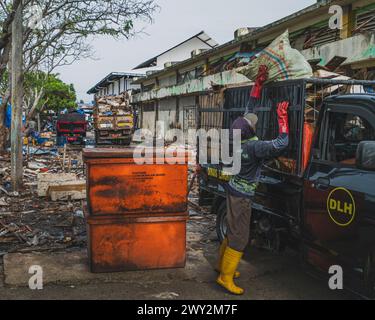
(262,77)
(282,112)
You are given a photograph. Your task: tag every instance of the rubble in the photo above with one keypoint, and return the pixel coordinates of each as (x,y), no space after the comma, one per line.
(3,202)
(29,222)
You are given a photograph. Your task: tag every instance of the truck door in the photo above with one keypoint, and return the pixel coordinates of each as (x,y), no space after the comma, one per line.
(339,198)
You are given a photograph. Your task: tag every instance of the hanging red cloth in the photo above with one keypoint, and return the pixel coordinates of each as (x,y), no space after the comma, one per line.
(262,77)
(308,135)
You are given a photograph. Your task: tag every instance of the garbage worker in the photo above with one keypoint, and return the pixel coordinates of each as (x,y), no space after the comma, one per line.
(241,189)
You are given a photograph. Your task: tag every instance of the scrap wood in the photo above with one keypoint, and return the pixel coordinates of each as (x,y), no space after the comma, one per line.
(14,230)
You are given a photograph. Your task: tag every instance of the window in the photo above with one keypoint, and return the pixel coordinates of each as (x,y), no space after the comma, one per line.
(345,132)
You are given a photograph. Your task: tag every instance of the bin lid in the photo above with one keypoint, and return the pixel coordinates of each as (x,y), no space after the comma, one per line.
(126,153)
(99,153)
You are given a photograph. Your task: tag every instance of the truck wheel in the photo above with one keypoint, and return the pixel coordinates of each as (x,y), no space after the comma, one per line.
(221,221)
(369,276)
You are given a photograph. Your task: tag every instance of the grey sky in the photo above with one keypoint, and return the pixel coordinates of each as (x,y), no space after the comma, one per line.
(176,21)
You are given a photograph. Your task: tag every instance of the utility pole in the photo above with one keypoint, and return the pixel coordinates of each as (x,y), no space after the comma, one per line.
(17,99)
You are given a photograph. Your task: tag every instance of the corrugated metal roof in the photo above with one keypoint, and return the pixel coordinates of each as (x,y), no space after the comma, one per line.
(112,77)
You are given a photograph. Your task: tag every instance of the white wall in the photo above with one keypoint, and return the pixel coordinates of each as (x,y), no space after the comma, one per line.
(167,112)
(182,52)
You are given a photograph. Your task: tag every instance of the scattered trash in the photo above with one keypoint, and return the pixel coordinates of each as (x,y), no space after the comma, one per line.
(26,222)
(3,190)
(35,165)
(3,203)
(79,214)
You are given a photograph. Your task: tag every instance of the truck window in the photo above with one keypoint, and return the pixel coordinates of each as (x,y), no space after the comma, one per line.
(345,132)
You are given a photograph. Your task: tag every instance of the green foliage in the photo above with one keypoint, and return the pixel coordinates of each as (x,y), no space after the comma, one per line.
(57,95)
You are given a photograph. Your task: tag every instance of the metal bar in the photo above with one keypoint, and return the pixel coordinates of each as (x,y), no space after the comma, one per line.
(346,82)
(223,110)
(301,129)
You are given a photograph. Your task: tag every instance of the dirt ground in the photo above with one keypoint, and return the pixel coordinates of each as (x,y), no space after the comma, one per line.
(29,224)
(265,276)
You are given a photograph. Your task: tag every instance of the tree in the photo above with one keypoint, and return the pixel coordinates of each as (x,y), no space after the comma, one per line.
(57,33)
(47,92)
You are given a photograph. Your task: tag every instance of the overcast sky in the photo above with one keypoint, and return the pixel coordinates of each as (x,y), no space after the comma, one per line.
(176,21)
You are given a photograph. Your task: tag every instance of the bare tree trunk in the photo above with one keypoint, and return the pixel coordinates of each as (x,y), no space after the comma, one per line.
(33,109)
(17,99)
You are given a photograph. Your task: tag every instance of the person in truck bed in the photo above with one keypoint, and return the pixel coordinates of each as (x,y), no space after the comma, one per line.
(241,189)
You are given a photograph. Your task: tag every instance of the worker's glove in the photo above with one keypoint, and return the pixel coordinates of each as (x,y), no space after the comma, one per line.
(262,77)
(282,112)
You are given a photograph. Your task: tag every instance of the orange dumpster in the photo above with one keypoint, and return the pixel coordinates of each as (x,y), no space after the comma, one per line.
(116,185)
(121,243)
(136,214)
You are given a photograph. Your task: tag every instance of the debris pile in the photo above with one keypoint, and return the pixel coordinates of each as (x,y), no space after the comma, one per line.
(114,120)
(41,216)
(114,105)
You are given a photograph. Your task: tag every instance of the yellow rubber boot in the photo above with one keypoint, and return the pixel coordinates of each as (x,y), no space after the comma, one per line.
(223,246)
(231,259)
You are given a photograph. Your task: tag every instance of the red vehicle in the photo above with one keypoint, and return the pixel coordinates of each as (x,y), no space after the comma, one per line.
(71,127)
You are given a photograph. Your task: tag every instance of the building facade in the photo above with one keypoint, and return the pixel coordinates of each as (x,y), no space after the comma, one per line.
(173,95)
(115,83)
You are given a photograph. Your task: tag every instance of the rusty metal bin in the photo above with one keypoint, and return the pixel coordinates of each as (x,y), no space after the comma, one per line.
(116,185)
(130,243)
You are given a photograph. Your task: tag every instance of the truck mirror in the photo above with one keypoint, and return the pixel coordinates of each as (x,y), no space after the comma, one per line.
(366,155)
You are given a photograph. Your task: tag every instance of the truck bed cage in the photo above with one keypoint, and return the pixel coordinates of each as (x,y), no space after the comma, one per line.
(305,97)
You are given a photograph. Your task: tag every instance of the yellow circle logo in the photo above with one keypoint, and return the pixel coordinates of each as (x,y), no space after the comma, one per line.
(341,207)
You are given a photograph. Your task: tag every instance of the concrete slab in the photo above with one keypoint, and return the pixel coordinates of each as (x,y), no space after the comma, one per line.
(72,268)
(46,179)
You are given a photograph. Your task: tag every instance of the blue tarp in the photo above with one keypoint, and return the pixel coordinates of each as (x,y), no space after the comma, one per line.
(8,116)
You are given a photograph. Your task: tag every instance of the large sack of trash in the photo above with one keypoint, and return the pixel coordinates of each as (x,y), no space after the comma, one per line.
(282,61)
